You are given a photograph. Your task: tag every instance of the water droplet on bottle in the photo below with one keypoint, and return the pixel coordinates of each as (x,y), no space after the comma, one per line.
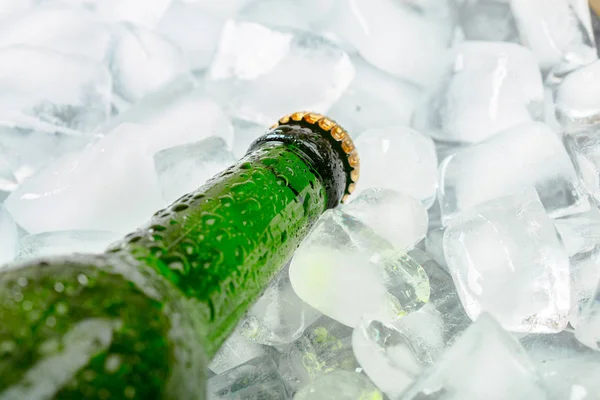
(59,287)
(112,363)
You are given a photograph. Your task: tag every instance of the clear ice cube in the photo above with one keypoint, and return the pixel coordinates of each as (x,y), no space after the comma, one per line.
(109,186)
(398,158)
(9,236)
(261,73)
(375,99)
(397,217)
(506,259)
(491,86)
(569,369)
(279,316)
(142,62)
(528,155)
(578,99)
(325,347)
(255,379)
(484,363)
(185,168)
(340,385)
(178,114)
(555,32)
(69,94)
(406,39)
(345,270)
(64,242)
(55,26)
(235,351)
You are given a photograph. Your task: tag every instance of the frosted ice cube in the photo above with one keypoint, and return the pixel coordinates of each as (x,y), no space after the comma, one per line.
(326,346)
(488,20)
(64,242)
(185,168)
(178,114)
(9,237)
(375,99)
(579,233)
(406,39)
(142,62)
(11,7)
(398,158)
(221,9)
(578,98)
(345,270)
(340,385)
(506,259)
(69,93)
(524,156)
(588,329)
(262,73)
(192,29)
(569,369)
(491,86)
(235,351)
(279,316)
(244,134)
(484,363)
(554,31)
(56,27)
(397,217)
(144,13)
(284,13)
(110,185)
(255,379)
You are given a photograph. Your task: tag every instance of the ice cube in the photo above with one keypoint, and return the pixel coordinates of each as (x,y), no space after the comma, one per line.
(67,95)
(9,237)
(375,99)
(578,98)
(261,73)
(434,245)
(491,86)
(554,31)
(569,369)
(584,148)
(397,217)
(506,259)
(74,31)
(194,30)
(235,351)
(398,158)
(221,9)
(526,155)
(8,8)
(579,233)
(64,242)
(178,114)
(488,20)
(407,39)
(244,134)
(279,316)
(345,270)
(110,185)
(284,13)
(142,62)
(340,385)
(588,329)
(484,363)
(185,168)
(145,13)
(255,379)
(326,346)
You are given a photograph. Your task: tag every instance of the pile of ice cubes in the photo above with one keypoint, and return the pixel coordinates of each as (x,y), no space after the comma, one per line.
(466,265)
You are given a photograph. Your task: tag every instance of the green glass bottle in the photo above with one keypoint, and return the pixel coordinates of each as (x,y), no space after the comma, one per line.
(141,320)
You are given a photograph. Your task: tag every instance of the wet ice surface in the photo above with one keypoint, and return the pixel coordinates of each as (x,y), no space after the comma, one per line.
(475,220)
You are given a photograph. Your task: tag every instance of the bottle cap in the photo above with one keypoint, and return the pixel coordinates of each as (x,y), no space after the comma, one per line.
(339,138)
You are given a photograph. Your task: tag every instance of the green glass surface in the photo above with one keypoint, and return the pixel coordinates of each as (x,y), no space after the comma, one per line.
(141,320)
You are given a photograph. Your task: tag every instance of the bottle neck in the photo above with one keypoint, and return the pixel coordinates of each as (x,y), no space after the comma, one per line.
(221,245)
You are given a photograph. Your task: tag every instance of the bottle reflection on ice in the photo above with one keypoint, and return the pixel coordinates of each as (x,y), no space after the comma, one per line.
(141,320)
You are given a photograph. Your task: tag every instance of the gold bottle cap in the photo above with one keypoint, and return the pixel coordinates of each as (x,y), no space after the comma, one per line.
(338,135)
